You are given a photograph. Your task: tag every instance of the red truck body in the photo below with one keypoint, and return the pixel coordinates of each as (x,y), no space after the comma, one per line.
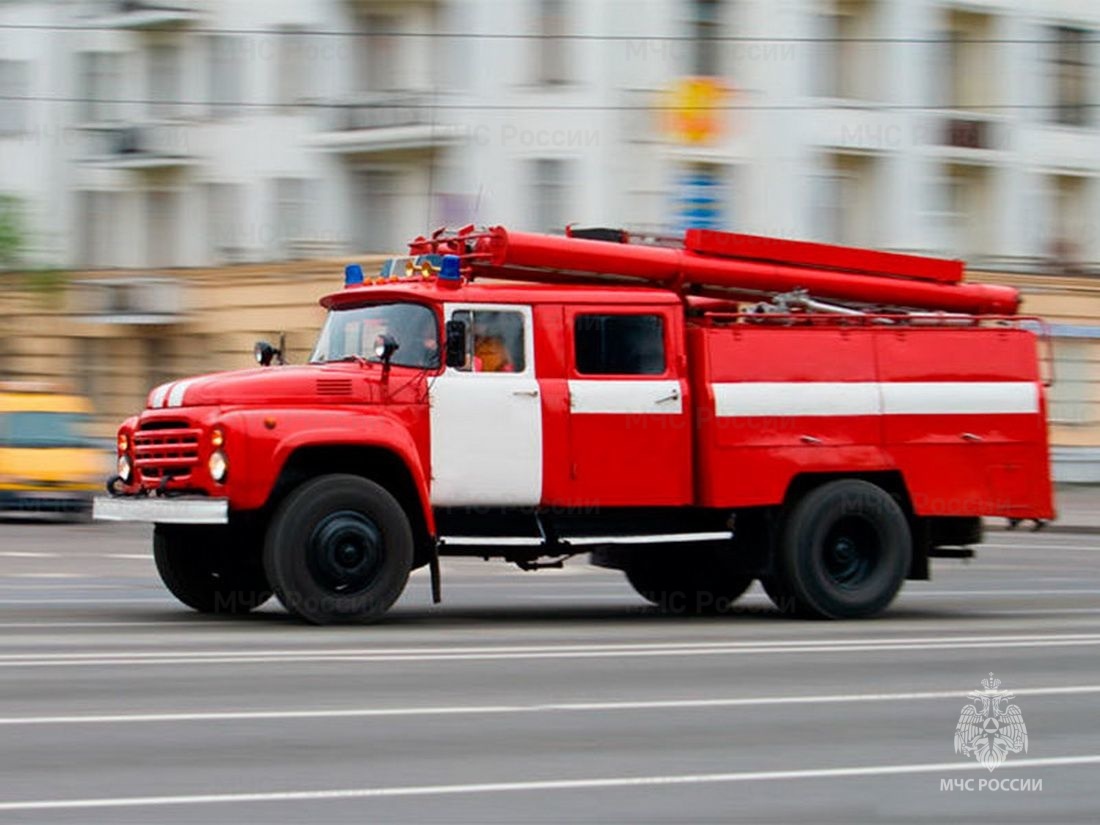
(640,404)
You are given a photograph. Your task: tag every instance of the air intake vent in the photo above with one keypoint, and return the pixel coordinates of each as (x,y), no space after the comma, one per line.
(334,386)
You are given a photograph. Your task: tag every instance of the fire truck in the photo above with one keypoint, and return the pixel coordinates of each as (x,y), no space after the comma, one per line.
(699,412)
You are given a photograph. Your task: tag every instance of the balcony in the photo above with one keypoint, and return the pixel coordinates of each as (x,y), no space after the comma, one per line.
(137,301)
(137,15)
(145,146)
(384,122)
(972,137)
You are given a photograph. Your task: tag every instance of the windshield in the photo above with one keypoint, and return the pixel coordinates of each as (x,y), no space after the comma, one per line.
(42,429)
(353,333)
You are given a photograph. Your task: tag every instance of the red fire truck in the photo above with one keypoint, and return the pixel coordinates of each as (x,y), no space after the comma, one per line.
(699,413)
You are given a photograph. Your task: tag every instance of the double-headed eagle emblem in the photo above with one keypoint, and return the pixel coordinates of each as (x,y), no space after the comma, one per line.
(986,730)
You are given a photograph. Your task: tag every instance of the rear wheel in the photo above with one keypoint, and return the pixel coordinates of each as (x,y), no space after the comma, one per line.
(340,548)
(687,580)
(844,552)
(207,571)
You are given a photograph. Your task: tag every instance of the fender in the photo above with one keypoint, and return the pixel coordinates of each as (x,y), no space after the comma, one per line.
(270,447)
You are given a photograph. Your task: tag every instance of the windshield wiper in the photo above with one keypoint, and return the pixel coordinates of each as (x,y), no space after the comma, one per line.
(358,359)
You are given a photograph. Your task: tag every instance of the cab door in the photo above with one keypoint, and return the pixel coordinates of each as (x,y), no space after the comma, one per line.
(629,407)
(486,417)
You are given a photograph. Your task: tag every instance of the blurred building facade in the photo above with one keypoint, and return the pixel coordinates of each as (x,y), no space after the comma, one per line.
(196,133)
(141,137)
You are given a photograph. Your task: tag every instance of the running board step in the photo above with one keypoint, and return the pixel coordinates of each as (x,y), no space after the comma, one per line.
(584,541)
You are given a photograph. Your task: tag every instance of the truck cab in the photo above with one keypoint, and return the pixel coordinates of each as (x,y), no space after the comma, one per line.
(458,404)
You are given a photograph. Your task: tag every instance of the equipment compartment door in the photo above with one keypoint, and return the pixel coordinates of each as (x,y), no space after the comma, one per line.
(629,408)
(486,417)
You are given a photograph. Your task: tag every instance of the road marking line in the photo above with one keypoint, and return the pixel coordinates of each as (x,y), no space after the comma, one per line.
(1022,546)
(566,707)
(501,652)
(140,556)
(166,600)
(182,624)
(994,593)
(15,554)
(540,785)
(582,647)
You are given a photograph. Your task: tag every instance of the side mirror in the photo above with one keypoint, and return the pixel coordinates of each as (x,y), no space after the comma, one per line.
(265,353)
(456,344)
(384,348)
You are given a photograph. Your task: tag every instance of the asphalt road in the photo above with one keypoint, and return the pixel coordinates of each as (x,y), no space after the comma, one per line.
(538,697)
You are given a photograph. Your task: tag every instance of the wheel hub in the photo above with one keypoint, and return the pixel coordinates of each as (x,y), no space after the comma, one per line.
(851,553)
(345,552)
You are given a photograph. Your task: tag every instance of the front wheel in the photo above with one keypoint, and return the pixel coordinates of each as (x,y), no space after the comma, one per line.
(844,551)
(339,549)
(205,570)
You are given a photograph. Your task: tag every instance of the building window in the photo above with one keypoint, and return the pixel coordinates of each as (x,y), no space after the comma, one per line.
(847,201)
(1070,396)
(100,83)
(96,229)
(619,344)
(1071,225)
(379,54)
(377,210)
(549,193)
(164,81)
(294,202)
(706,53)
(553,45)
(224,81)
(970,61)
(1071,76)
(162,227)
(158,359)
(294,66)
(225,205)
(845,60)
(14,84)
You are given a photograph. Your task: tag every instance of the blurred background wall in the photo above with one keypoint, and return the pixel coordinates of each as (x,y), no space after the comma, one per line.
(178,177)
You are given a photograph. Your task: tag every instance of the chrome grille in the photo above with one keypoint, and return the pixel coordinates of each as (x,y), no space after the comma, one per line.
(166,449)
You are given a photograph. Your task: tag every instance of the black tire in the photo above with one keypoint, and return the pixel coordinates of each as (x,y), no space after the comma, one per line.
(844,552)
(689,580)
(205,570)
(339,549)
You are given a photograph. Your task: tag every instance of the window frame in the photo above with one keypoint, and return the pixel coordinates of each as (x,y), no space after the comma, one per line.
(527,318)
(667,331)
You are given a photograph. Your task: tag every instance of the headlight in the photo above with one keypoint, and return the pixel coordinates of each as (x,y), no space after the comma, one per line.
(125,468)
(218,466)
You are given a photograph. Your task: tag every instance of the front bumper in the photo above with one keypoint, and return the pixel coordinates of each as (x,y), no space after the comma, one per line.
(168,510)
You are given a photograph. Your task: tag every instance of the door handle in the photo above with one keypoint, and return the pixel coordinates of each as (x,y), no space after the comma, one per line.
(971,437)
(527,393)
(672,396)
(809,439)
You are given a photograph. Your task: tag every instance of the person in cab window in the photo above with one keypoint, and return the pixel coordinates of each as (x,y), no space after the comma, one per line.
(491,355)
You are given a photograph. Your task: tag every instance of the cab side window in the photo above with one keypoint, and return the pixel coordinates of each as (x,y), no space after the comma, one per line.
(619,344)
(494,340)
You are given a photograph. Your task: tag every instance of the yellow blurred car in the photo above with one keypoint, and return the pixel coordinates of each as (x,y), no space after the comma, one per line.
(48,464)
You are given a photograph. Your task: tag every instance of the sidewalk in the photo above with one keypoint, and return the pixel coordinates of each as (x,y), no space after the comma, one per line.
(1078,507)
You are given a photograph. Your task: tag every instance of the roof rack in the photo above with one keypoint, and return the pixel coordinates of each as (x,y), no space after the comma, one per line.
(725,265)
